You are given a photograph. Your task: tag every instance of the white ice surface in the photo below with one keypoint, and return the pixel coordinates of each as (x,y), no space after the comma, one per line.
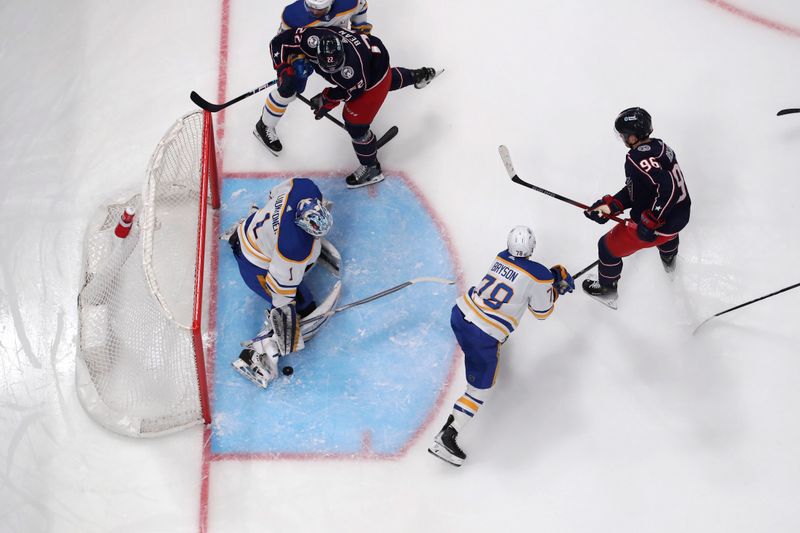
(601,421)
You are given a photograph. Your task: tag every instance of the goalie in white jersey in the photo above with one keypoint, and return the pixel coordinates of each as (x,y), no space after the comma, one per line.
(274,247)
(485,316)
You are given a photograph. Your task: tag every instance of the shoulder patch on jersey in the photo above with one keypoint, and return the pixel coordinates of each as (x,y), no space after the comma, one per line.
(347,72)
(644,148)
(312,41)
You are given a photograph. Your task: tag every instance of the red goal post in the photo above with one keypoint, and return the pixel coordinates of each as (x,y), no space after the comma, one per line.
(141,356)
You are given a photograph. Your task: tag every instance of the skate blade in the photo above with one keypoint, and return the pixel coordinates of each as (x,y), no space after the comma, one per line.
(438,73)
(242,368)
(442,453)
(260,140)
(377,179)
(605,300)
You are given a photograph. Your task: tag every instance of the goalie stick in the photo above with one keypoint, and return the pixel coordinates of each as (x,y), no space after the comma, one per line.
(505,155)
(788,111)
(361,302)
(390,134)
(202,103)
(744,304)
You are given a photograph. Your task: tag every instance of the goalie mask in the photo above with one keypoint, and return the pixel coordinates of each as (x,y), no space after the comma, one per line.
(313,217)
(521,241)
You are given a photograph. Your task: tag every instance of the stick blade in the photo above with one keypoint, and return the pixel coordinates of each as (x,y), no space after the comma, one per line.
(390,134)
(443,281)
(788,111)
(200,102)
(505,155)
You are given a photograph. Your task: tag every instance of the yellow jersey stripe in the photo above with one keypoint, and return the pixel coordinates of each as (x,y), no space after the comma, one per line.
(252,247)
(485,318)
(543,315)
(523,271)
(274,287)
(490,310)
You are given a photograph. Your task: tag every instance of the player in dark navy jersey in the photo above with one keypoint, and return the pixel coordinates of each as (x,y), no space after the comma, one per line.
(358,66)
(656,194)
(348,14)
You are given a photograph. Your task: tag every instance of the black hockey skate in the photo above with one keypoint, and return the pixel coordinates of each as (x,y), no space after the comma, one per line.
(423,76)
(268,137)
(669,263)
(445,446)
(605,294)
(364,175)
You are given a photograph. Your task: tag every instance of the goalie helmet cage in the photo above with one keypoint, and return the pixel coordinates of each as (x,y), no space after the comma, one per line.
(141,367)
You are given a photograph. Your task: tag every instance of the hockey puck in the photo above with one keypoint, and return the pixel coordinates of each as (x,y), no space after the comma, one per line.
(288,371)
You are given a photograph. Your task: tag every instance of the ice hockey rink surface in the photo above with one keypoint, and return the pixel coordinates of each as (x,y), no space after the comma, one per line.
(601,420)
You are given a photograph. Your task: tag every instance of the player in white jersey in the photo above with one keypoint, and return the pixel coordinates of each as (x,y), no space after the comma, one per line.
(274,247)
(485,316)
(347,14)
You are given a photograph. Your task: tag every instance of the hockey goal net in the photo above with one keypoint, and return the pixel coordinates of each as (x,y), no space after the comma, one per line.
(141,365)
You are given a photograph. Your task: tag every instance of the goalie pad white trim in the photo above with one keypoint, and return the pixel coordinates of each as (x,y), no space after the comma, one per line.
(330,257)
(311,326)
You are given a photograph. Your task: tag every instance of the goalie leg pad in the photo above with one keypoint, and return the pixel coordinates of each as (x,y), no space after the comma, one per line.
(314,322)
(286,327)
(330,257)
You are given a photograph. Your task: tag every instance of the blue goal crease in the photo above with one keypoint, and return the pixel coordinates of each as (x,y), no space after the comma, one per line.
(374,372)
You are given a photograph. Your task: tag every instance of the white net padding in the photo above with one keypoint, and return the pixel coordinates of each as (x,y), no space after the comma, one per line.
(140,365)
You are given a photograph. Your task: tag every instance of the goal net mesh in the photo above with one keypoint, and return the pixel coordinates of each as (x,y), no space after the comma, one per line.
(138,360)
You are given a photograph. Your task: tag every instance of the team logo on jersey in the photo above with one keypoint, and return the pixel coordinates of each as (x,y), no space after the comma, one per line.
(348,72)
(644,148)
(313,41)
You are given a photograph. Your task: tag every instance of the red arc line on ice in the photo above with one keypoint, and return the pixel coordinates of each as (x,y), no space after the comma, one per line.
(755,18)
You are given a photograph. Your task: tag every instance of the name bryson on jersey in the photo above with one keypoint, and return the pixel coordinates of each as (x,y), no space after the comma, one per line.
(503,270)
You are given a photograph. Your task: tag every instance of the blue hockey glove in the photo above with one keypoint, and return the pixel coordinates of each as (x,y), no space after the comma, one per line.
(613,206)
(563,282)
(322,105)
(647,226)
(302,70)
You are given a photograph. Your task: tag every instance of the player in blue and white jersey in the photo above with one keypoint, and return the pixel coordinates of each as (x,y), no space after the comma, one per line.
(486,315)
(347,14)
(274,247)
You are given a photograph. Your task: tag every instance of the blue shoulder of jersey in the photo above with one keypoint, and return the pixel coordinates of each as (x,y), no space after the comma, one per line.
(295,15)
(294,243)
(536,270)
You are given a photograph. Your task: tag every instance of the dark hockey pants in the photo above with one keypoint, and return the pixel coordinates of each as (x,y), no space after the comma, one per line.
(623,241)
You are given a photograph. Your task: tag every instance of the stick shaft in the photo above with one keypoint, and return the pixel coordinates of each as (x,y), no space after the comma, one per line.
(213,108)
(385,138)
(375,296)
(505,155)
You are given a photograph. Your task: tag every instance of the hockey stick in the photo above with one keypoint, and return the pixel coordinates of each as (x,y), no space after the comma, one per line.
(368,299)
(744,304)
(585,270)
(208,106)
(378,295)
(385,138)
(505,155)
(788,111)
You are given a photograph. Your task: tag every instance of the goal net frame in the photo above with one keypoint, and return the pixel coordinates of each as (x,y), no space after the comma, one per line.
(141,362)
